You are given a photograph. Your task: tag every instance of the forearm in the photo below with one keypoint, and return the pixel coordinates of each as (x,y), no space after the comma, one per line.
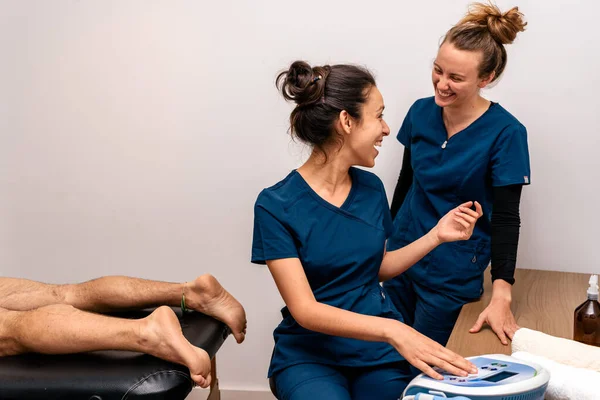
(323,318)
(397,261)
(404,182)
(501,291)
(506,221)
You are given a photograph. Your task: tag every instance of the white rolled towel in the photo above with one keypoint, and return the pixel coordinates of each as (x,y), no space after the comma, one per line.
(566,382)
(564,351)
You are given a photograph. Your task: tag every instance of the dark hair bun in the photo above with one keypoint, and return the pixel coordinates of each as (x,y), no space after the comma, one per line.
(303,84)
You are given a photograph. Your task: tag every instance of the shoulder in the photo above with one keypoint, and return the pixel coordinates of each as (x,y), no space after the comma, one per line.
(424,105)
(421,111)
(281,195)
(366,180)
(507,123)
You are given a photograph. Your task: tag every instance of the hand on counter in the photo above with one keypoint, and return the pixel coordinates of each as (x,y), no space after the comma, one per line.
(498,314)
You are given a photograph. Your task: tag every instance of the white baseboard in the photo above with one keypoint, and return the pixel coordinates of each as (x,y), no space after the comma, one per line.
(246,395)
(198,394)
(202,394)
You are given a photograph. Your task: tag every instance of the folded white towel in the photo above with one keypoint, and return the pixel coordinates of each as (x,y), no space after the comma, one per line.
(566,382)
(564,351)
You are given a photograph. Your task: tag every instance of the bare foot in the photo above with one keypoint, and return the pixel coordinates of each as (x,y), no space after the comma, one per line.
(161,337)
(205,294)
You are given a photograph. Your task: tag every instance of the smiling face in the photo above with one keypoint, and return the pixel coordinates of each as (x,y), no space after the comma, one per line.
(455,76)
(368,133)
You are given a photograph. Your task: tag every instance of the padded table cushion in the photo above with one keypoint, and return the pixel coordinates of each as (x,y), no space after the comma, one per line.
(109,375)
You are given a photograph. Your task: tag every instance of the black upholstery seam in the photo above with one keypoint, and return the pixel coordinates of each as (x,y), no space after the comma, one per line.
(135,386)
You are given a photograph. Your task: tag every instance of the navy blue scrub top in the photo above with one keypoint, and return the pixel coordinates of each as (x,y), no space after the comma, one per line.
(341,250)
(492,151)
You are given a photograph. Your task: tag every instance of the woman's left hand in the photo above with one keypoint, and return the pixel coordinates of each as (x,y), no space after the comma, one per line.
(500,318)
(498,314)
(459,223)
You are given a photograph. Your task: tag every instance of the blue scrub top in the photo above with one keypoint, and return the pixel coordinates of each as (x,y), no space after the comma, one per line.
(492,151)
(341,250)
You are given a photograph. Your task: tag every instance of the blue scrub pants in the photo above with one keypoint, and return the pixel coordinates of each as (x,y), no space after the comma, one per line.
(325,382)
(429,312)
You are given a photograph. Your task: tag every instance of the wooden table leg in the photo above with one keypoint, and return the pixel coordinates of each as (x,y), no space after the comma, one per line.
(215,394)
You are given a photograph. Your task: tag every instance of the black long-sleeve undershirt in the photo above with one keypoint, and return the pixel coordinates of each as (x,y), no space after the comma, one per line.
(506,220)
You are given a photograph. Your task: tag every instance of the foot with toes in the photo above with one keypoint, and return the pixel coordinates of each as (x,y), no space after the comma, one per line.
(161,336)
(206,295)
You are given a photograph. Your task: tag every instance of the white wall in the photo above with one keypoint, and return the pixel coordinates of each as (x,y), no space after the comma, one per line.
(135,135)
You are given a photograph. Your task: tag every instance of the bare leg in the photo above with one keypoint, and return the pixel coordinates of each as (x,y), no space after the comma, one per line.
(62,329)
(204,294)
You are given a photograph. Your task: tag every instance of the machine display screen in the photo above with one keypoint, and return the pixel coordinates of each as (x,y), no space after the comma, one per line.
(499,377)
(491,372)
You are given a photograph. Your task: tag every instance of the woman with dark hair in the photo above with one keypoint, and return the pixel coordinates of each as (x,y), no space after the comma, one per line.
(458,146)
(322,232)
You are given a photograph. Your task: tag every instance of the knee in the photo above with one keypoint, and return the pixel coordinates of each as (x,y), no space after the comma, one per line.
(15,326)
(319,387)
(384,383)
(9,342)
(272,386)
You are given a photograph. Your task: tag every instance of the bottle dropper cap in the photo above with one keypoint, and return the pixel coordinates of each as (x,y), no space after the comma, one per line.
(592,291)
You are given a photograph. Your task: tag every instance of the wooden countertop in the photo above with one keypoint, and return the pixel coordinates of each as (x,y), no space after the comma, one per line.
(541,300)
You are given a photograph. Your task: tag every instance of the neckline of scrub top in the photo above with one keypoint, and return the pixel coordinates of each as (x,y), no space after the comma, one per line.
(327,204)
(440,118)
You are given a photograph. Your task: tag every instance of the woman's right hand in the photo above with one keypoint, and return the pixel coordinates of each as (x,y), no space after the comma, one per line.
(458,223)
(424,353)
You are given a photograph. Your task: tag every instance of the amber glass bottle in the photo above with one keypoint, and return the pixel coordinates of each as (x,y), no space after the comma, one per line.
(587,317)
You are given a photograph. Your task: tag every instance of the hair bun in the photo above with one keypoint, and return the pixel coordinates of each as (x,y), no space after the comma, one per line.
(302,84)
(503,27)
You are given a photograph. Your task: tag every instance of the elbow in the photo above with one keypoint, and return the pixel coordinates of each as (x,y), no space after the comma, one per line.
(386,271)
(303,314)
